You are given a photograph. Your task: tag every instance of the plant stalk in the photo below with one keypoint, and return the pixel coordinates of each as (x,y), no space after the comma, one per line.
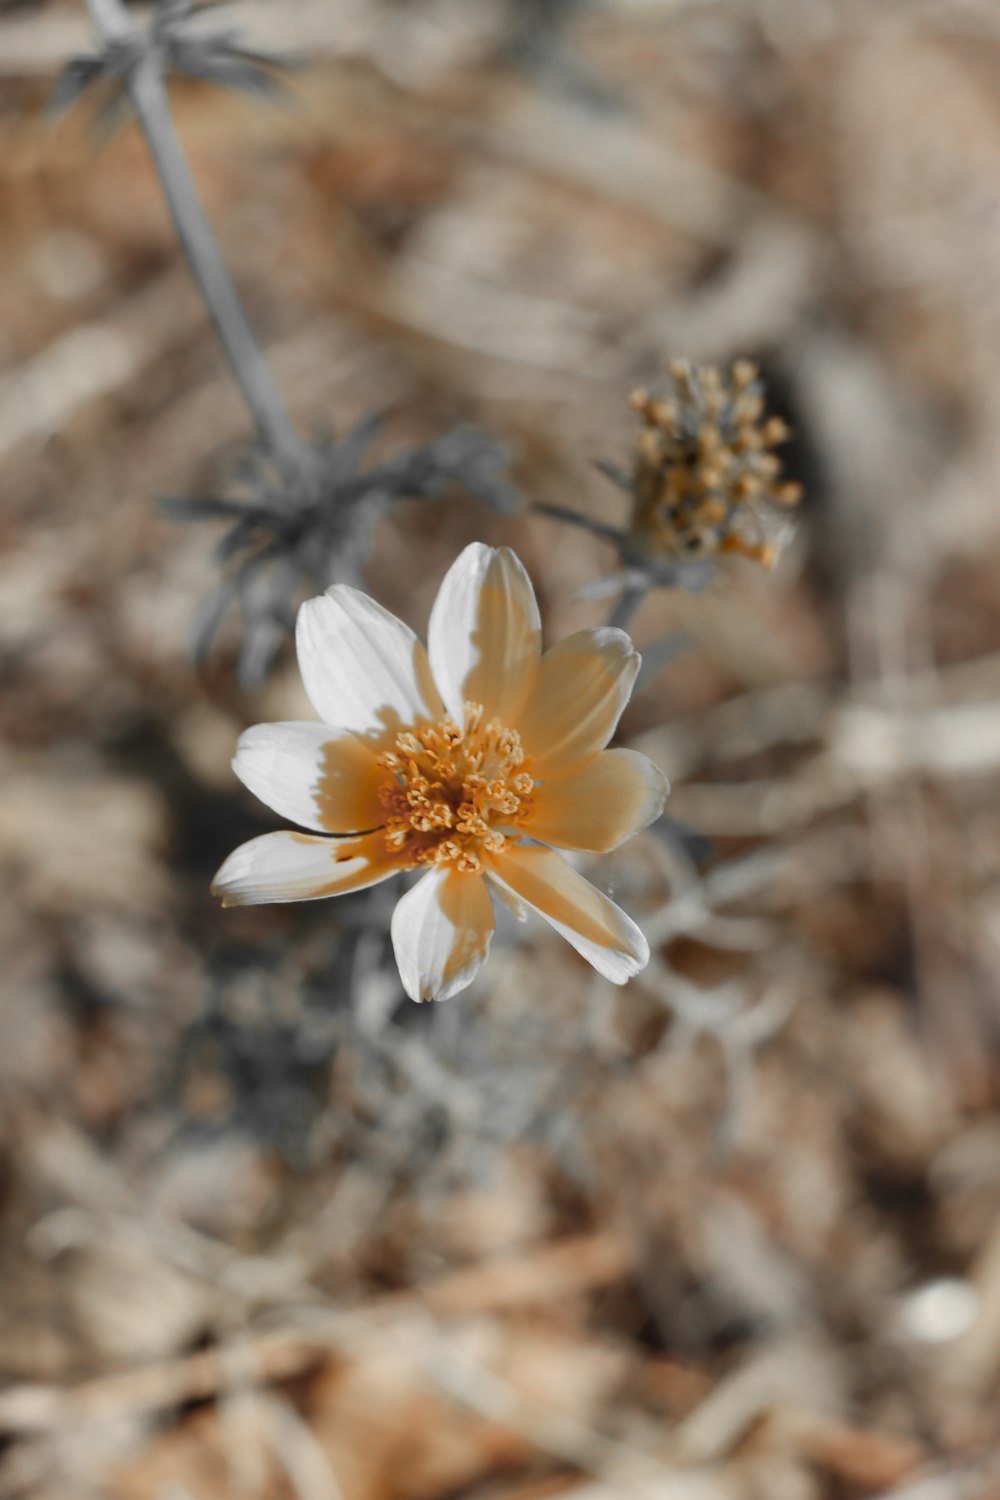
(628,604)
(148,95)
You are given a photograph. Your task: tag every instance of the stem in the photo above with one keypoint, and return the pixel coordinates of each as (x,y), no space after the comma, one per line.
(148,95)
(628,604)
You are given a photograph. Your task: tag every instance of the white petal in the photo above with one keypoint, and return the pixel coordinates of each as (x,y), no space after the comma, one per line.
(364,670)
(300,867)
(582,686)
(596,927)
(441,933)
(485,633)
(599,804)
(312,774)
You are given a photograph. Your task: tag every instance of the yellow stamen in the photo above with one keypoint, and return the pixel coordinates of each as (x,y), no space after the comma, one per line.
(451,793)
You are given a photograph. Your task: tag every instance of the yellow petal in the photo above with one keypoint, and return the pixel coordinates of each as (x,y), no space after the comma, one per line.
(485,633)
(441,933)
(312,774)
(596,927)
(598,805)
(582,686)
(301,867)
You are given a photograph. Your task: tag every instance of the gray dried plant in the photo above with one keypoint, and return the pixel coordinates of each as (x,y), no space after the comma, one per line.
(302,512)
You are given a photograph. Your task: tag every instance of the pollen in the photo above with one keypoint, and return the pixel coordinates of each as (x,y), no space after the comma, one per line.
(452,794)
(705,477)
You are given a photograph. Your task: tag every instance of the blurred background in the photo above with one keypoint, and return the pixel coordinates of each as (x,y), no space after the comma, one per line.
(268,1230)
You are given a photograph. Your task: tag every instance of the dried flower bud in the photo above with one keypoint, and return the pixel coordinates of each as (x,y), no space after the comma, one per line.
(178,41)
(704,479)
(704,482)
(294,531)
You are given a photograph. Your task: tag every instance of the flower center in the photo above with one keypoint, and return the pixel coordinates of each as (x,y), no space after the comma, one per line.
(453,793)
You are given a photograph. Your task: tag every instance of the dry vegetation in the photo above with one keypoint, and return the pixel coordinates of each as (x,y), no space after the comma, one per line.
(733,1233)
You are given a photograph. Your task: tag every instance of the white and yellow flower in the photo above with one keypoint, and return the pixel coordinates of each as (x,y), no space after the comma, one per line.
(464,761)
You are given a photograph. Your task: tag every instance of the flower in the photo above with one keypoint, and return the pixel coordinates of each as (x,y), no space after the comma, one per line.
(464,761)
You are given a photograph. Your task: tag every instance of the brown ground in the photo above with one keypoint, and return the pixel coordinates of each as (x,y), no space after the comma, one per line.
(732,1233)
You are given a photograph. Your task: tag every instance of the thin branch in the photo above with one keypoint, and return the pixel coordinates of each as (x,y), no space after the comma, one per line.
(148,96)
(628,605)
